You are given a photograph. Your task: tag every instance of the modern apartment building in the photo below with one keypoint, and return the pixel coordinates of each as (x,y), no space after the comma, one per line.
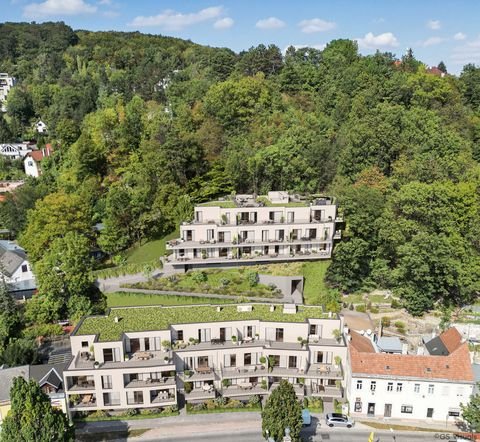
(428,386)
(247,228)
(145,357)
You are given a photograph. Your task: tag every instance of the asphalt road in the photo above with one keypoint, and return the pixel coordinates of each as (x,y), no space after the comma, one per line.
(330,435)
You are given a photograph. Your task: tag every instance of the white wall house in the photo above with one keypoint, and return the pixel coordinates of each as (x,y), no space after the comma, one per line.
(249,229)
(404,386)
(32,161)
(14,264)
(6,83)
(41,127)
(15,151)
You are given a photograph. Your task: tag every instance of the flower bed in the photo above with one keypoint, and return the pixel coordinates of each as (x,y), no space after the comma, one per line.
(225,405)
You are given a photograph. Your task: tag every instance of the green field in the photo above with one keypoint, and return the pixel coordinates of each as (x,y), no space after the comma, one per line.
(151,250)
(314,286)
(123,299)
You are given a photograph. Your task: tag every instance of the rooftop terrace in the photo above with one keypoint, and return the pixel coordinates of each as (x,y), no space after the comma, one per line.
(151,318)
(273,199)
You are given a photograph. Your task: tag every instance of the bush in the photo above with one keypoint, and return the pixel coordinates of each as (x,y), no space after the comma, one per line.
(170,409)
(131,412)
(386,321)
(211,404)
(34,331)
(188,387)
(224,282)
(98,414)
(374,309)
(360,308)
(252,278)
(221,401)
(395,304)
(198,407)
(399,324)
(199,277)
(254,400)
(226,382)
(234,403)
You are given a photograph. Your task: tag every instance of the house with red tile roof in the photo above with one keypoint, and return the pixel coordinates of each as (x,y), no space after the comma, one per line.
(32,161)
(428,386)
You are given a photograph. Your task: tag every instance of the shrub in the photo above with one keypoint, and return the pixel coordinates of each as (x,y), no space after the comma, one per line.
(98,414)
(131,412)
(395,303)
(43,330)
(263,359)
(386,321)
(374,309)
(199,277)
(224,282)
(233,403)
(198,407)
(263,384)
(149,411)
(188,387)
(360,308)
(254,400)
(399,324)
(221,401)
(252,278)
(170,409)
(210,404)
(226,382)
(350,307)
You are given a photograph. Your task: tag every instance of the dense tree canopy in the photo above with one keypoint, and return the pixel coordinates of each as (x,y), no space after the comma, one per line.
(146,126)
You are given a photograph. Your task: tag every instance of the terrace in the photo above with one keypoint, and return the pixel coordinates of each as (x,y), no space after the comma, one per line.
(327,371)
(150,382)
(243,389)
(132,360)
(136,319)
(241,371)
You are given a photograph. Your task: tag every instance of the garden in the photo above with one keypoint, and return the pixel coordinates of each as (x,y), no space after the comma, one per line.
(225,405)
(130,414)
(239,281)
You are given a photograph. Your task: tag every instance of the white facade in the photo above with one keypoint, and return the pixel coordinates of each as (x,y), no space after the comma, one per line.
(276,227)
(6,83)
(41,127)
(14,150)
(404,398)
(235,359)
(31,166)
(16,267)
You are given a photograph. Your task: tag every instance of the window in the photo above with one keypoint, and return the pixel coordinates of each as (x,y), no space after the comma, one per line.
(359,385)
(431,388)
(408,409)
(247,359)
(106,382)
(390,386)
(313,329)
(134,397)
(24,268)
(30,163)
(112,398)
(399,387)
(180,335)
(373,385)
(233,360)
(416,388)
(108,354)
(358,407)
(279,334)
(454,412)
(84,344)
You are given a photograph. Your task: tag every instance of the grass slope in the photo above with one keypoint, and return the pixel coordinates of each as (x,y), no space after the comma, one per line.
(150,250)
(122,299)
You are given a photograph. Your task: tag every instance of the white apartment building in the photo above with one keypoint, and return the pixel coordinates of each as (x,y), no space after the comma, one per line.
(247,228)
(409,386)
(144,357)
(6,83)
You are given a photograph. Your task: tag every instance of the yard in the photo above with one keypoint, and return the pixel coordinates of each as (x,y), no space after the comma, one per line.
(151,250)
(240,281)
(123,299)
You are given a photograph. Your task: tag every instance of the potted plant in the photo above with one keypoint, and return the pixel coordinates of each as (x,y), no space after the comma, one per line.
(96,364)
(234,339)
(166,359)
(188,387)
(167,345)
(263,384)
(191,340)
(226,382)
(338,361)
(300,339)
(337,334)
(224,218)
(301,381)
(257,336)
(263,361)
(187,373)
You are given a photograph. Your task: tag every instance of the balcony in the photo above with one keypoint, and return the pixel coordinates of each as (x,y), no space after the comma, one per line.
(242,371)
(243,389)
(162,397)
(200,374)
(338,234)
(217,344)
(137,383)
(131,360)
(287,372)
(325,392)
(327,371)
(198,394)
(82,401)
(79,384)
(299,389)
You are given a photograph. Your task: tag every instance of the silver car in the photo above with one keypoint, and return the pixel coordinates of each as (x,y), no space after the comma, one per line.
(339,420)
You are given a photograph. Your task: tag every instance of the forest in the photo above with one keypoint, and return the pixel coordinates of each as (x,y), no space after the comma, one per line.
(145,126)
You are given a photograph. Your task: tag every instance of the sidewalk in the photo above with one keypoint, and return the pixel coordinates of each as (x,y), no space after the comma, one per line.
(424,424)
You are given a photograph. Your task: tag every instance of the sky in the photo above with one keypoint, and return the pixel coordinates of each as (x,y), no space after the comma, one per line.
(436,29)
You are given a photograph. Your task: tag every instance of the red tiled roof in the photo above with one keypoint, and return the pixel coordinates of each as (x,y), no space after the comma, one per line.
(455,367)
(39,155)
(451,338)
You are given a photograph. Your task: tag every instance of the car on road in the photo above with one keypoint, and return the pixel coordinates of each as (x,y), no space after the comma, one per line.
(339,420)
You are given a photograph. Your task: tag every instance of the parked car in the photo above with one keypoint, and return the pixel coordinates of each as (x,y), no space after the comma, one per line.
(307,419)
(339,420)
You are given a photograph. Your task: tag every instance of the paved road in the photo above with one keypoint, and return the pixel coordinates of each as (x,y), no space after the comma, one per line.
(324,434)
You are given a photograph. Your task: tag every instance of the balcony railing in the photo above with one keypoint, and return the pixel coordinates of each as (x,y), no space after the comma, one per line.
(199,374)
(79,386)
(245,370)
(327,371)
(200,394)
(150,382)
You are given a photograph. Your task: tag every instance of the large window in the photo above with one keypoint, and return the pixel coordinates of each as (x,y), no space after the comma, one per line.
(108,354)
(279,334)
(134,397)
(106,382)
(111,399)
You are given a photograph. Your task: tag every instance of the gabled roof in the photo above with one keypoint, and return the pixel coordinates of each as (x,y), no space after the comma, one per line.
(455,366)
(7,375)
(39,155)
(48,374)
(11,257)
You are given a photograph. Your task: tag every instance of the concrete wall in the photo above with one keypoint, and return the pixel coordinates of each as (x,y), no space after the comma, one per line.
(284,283)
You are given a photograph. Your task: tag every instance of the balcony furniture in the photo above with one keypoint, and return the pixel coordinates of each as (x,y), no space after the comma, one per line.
(143,355)
(202,241)
(245,385)
(216,341)
(204,370)
(87,399)
(207,387)
(323,369)
(247,339)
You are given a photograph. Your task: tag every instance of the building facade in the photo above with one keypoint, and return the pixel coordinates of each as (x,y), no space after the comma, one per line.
(15,267)
(6,83)
(145,357)
(247,228)
(33,160)
(408,386)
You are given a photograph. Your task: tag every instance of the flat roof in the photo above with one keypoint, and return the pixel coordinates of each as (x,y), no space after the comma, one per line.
(152,318)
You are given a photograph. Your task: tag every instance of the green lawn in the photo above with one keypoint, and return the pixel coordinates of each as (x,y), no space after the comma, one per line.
(314,285)
(151,250)
(122,299)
